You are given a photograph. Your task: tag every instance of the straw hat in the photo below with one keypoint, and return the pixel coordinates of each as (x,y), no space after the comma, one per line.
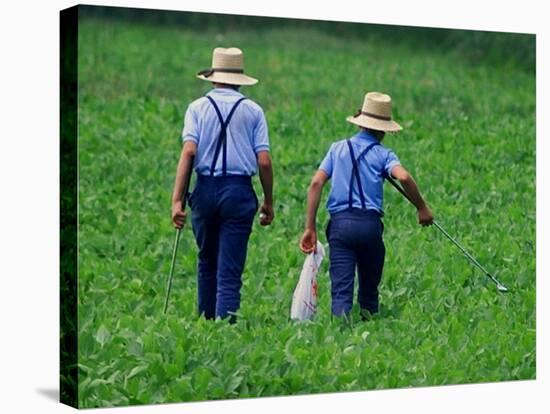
(375,113)
(227,67)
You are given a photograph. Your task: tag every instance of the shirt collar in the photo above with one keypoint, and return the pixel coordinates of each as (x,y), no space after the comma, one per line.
(225,92)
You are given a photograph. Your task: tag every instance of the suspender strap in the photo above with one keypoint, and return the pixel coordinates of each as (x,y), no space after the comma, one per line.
(355,173)
(224,158)
(222,138)
(213,102)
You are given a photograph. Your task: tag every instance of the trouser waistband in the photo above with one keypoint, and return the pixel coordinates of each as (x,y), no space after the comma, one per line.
(356,213)
(223,179)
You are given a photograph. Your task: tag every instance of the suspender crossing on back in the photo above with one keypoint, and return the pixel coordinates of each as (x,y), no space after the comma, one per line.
(355,173)
(222,138)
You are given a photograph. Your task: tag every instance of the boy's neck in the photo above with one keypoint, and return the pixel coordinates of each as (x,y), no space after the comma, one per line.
(226,86)
(379,135)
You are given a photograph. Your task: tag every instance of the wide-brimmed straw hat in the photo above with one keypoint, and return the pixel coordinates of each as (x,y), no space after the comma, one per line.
(375,113)
(227,67)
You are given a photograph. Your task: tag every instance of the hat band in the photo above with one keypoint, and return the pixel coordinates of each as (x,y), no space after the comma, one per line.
(209,72)
(381,117)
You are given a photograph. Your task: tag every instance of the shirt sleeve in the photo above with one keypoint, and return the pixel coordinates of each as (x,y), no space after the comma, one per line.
(190,126)
(261,137)
(391,161)
(327,164)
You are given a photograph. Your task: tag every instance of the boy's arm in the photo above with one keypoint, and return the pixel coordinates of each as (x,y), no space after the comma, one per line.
(184,169)
(265,168)
(308,243)
(425,215)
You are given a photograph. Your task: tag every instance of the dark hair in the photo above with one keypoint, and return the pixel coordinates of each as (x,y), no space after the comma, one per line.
(378,134)
(226,85)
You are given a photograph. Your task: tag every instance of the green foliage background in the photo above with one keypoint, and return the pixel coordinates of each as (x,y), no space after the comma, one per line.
(469,140)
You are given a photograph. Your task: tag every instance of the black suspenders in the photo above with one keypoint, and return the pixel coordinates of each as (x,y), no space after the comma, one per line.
(355,173)
(222,138)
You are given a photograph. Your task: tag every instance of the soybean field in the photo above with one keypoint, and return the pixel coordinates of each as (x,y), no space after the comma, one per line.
(468,139)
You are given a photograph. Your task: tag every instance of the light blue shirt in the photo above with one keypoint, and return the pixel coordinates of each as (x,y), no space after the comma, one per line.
(246,134)
(338,166)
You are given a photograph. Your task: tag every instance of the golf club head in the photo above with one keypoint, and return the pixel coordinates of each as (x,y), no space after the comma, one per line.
(502,288)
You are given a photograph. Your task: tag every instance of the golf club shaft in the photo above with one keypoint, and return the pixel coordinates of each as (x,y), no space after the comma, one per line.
(500,286)
(169,287)
(468,255)
(178,231)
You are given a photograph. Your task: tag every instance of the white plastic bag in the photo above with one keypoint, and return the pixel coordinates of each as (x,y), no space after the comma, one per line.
(304,299)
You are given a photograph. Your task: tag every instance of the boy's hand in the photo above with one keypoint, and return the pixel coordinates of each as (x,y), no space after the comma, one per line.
(308,243)
(425,216)
(266,214)
(178,215)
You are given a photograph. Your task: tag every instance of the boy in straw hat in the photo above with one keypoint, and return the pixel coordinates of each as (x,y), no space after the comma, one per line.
(226,135)
(357,167)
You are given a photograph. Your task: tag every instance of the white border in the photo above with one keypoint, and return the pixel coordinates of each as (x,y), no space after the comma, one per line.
(29,217)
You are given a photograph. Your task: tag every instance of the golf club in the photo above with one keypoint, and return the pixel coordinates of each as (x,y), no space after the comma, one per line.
(500,286)
(178,232)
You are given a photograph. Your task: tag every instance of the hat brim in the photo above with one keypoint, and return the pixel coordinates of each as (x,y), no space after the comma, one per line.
(366,121)
(230,78)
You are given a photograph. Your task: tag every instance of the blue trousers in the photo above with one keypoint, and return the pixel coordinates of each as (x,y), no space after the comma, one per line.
(223,210)
(355,241)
